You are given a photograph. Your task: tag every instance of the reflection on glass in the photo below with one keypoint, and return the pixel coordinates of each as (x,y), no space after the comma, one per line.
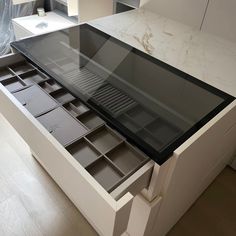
(148,101)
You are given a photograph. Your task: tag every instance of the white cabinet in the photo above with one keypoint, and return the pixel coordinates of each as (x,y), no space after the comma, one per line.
(90,9)
(35,25)
(87,9)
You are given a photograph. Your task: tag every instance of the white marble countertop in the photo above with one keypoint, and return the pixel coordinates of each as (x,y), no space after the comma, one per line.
(204,56)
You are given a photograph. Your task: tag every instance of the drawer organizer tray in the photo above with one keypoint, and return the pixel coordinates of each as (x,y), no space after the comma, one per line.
(5,73)
(21,67)
(95,166)
(20,75)
(13,84)
(90,120)
(33,77)
(62,96)
(152,128)
(35,100)
(105,153)
(62,126)
(50,86)
(89,81)
(76,108)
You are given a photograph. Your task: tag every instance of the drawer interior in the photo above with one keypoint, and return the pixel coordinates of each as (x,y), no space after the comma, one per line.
(35,100)
(62,96)
(104,139)
(62,126)
(50,86)
(163,130)
(155,130)
(125,157)
(33,77)
(84,152)
(104,154)
(21,67)
(20,75)
(5,73)
(13,84)
(76,108)
(140,115)
(148,138)
(91,120)
(105,173)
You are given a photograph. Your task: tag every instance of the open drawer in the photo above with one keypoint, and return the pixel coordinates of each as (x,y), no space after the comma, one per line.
(99,170)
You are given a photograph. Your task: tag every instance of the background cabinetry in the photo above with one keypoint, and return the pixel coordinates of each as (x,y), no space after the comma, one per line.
(220,19)
(212,16)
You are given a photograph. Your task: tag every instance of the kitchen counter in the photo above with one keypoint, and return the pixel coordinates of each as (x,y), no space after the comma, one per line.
(204,56)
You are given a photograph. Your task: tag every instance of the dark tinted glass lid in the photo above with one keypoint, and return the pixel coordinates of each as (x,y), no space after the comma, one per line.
(155,106)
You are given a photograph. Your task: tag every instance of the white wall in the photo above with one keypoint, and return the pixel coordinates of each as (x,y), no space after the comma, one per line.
(190,12)
(221,19)
(220,15)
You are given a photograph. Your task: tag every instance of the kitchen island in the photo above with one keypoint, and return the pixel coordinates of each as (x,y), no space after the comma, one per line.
(205,56)
(115,172)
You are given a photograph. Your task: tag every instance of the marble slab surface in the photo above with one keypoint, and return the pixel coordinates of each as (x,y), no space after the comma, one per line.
(204,56)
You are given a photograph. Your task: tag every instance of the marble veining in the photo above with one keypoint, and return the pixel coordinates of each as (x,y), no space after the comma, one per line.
(207,57)
(145,41)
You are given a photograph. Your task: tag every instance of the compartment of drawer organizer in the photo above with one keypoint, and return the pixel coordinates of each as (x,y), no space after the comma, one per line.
(83,152)
(55,68)
(67,65)
(35,100)
(76,108)
(80,106)
(129,123)
(13,84)
(50,86)
(105,173)
(148,138)
(33,77)
(91,120)
(141,116)
(21,67)
(126,158)
(71,109)
(62,126)
(104,139)
(62,96)
(5,74)
(163,130)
